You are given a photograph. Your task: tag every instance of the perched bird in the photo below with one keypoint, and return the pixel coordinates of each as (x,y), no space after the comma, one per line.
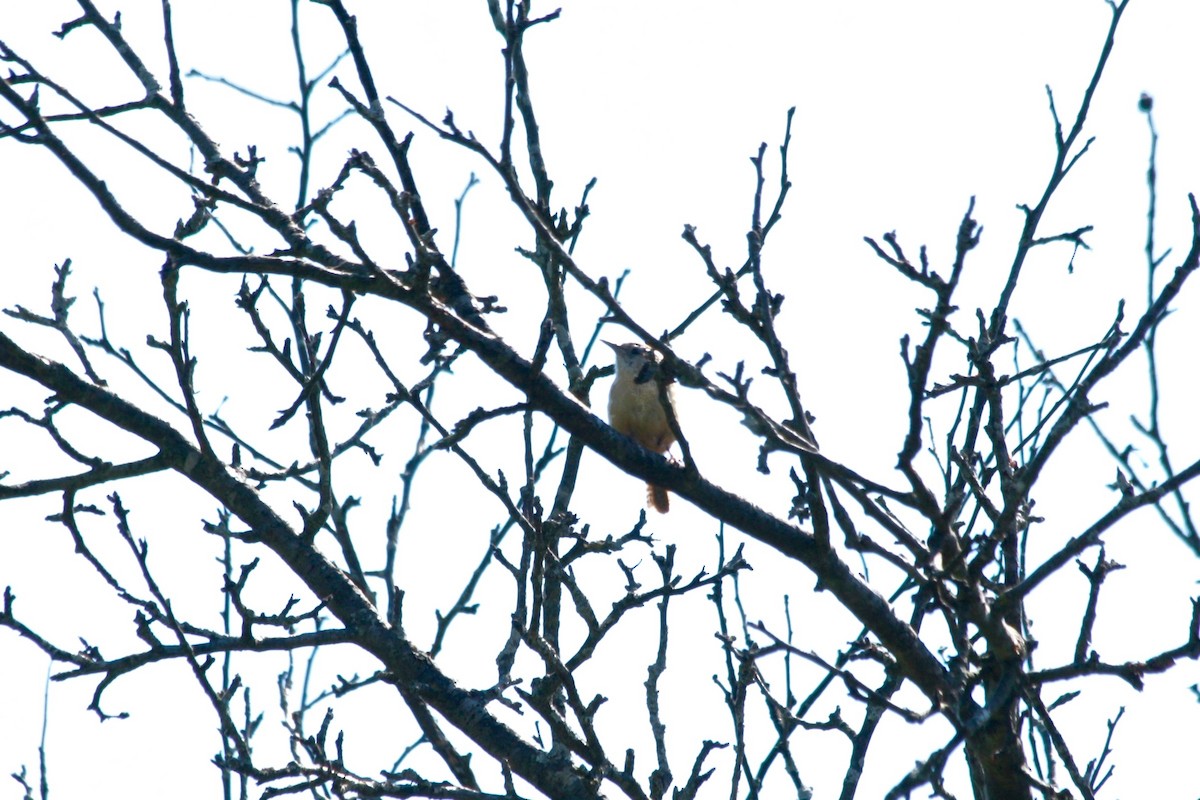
(636,410)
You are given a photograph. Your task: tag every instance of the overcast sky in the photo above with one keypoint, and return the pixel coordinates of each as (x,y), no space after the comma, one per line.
(904,112)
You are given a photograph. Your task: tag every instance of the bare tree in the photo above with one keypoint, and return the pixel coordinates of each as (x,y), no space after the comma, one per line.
(364,333)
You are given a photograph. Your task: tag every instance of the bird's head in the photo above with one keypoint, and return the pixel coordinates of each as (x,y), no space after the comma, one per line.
(634,359)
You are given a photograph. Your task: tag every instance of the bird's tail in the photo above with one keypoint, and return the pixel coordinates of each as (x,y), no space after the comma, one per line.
(657,498)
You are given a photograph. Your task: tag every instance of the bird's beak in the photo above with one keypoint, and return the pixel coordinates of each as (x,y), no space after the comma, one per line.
(616,347)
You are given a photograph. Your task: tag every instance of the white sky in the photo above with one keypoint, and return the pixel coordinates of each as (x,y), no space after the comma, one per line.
(904,111)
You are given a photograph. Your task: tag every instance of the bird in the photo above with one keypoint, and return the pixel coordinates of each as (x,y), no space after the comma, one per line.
(636,410)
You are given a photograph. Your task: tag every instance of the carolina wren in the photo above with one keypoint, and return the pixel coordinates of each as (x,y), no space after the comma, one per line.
(636,409)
